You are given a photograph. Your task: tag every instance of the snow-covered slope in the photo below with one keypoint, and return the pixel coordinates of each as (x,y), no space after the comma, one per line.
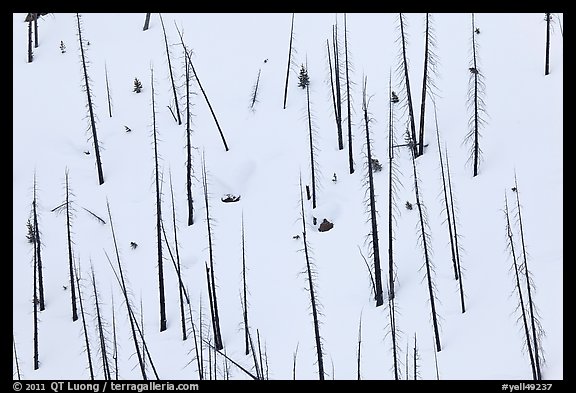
(268,153)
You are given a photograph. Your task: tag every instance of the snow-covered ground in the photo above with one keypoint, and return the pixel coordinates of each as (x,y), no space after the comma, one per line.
(268,153)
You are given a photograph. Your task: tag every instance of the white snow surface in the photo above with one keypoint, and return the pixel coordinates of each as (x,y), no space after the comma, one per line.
(268,153)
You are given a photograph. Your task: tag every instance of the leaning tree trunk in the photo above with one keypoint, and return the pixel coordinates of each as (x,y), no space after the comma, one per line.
(146,22)
(203,92)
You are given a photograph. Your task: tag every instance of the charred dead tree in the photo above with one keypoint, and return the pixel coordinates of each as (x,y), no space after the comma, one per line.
(257,367)
(254,95)
(536,327)
(84,328)
(294,357)
(289,60)
(90,105)
(446,200)
(70,252)
(108,96)
(230,360)
(181,289)
(260,354)
(19,377)
(210,271)
(37,244)
(179,119)
(202,90)
(402,70)
(123,287)
(348,101)
(335,84)
(189,170)
(393,182)
(456,246)
(35,30)
(36,363)
(311,275)
(424,238)
(196,349)
(518,290)
(162,299)
(428,85)
(146,22)
(548,18)
(379,296)
(311,141)
(30,52)
(394,335)
(244,294)
(476,88)
(359,353)
(114,341)
(100,329)
(416,357)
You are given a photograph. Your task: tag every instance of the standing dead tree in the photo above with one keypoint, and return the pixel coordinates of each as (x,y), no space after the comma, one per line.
(18,375)
(428,85)
(127,301)
(375,244)
(179,119)
(100,328)
(289,60)
(37,244)
(189,169)
(244,294)
(162,299)
(347,67)
(424,238)
(311,278)
(548,19)
(402,70)
(108,91)
(535,324)
(30,52)
(146,22)
(84,328)
(518,290)
(476,106)
(456,237)
(90,105)
(393,184)
(210,271)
